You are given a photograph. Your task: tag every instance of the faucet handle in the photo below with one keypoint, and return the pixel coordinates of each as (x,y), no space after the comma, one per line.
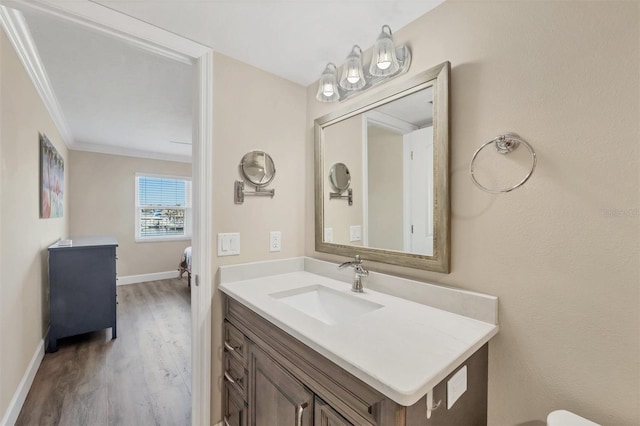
(345,264)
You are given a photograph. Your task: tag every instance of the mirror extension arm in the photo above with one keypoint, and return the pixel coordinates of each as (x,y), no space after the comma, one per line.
(349,196)
(239,192)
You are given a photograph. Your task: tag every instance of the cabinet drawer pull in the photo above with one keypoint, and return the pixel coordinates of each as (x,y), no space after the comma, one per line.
(229,347)
(228,377)
(226,421)
(301,408)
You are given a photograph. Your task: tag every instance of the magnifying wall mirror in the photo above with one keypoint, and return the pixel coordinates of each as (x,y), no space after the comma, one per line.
(257,168)
(397,145)
(339,177)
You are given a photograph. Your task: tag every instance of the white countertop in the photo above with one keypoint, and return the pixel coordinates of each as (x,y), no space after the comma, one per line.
(402,350)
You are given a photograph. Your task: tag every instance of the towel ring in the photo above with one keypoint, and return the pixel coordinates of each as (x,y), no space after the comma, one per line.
(505,144)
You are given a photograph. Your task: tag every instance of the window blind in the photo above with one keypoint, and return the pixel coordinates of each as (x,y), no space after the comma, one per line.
(162,192)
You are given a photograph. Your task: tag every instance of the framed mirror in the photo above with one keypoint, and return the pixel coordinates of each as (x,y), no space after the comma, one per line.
(397,145)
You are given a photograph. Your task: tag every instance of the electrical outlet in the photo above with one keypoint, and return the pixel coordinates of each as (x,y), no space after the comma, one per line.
(275,241)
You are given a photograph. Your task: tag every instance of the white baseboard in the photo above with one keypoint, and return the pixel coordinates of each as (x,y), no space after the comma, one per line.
(143,278)
(13,410)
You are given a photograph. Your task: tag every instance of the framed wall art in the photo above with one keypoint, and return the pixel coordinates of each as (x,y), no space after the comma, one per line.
(51,180)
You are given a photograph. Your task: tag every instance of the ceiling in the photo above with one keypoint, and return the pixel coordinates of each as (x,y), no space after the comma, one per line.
(416,109)
(119,99)
(293,39)
(115,98)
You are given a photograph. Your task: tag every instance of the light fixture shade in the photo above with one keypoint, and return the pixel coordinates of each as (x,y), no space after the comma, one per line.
(384,61)
(352,72)
(327,86)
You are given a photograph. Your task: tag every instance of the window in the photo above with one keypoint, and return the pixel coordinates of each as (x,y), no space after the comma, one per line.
(163,208)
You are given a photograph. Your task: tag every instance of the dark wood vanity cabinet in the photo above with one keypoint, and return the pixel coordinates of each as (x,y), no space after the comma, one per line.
(271,378)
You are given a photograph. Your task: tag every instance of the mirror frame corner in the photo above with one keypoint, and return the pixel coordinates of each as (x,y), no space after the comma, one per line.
(438,77)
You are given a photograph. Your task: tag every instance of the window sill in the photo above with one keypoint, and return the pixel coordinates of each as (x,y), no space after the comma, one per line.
(162,239)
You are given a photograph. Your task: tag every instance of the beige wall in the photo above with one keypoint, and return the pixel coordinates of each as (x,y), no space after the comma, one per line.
(24,237)
(343,144)
(255,110)
(561,253)
(102,188)
(386,163)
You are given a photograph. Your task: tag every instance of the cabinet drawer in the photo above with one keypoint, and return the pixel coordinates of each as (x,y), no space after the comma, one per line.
(235,408)
(235,375)
(235,343)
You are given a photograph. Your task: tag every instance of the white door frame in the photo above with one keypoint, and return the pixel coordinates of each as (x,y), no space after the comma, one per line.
(172,46)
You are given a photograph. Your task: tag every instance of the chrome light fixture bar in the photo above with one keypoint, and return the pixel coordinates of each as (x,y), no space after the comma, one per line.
(387,61)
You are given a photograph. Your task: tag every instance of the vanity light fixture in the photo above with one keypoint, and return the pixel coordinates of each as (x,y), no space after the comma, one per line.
(327,87)
(352,72)
(384,61)
(387,61)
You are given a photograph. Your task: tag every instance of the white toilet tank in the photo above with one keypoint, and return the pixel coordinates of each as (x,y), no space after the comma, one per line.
(567,418)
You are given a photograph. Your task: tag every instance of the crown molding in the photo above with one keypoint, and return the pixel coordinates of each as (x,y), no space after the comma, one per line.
(115,24)
(14,24)
(17,31)
(128,152)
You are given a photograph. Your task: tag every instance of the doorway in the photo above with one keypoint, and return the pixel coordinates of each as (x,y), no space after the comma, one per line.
(153,39)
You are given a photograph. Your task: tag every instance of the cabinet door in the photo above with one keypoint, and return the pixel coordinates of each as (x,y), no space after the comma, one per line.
(327,416)
(275,396)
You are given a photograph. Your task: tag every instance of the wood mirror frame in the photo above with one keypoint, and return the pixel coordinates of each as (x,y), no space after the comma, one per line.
(438,78)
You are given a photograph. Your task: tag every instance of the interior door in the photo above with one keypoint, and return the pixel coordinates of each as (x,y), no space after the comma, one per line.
(419,190)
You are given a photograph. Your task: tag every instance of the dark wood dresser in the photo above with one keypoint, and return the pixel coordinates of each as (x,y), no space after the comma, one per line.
(82,288)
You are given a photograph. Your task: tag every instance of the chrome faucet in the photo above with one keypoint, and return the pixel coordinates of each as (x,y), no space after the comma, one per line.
(359,272)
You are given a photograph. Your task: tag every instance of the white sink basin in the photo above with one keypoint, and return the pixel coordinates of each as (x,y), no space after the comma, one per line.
(325,304)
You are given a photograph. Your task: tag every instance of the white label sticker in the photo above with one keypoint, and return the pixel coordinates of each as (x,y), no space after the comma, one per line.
(456,386)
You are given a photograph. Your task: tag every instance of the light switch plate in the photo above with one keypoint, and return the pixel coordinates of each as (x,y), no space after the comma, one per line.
(229,244)
(275,241)
(328,235)
(456,386)
(355,233)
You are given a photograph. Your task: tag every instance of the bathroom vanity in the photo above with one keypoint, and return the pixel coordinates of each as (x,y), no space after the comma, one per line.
(301,349)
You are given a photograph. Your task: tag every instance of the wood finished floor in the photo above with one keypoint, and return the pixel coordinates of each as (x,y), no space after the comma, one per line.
(141,378)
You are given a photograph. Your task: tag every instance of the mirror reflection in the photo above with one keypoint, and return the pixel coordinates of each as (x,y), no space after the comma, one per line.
(339,177)
(390,152)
